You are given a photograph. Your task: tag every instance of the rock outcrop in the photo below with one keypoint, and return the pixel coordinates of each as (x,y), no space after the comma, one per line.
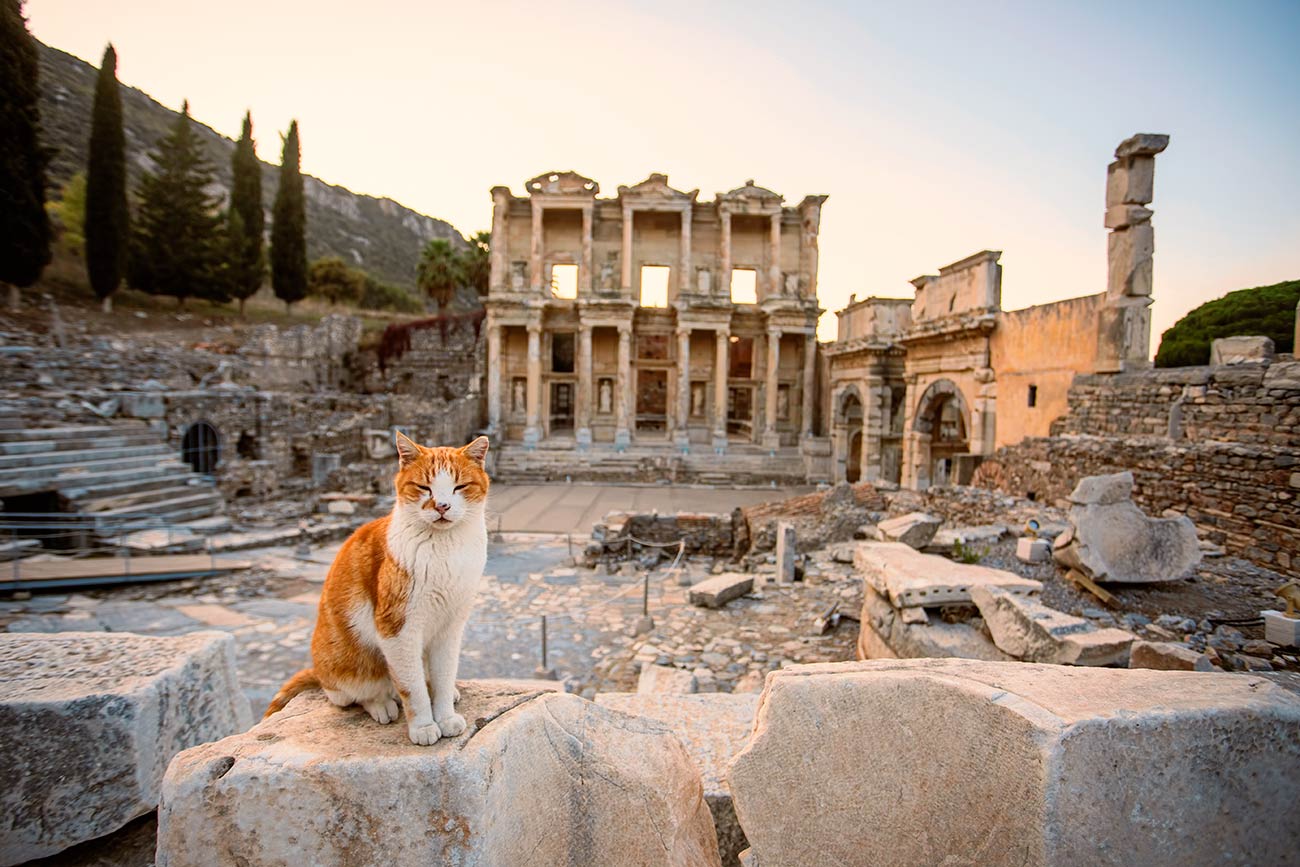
(1111,540)
(90,721)
(537,778)
(976,763)
(713,728)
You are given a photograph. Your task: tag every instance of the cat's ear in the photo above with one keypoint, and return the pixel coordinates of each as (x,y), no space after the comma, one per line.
(477,450)
(407,450)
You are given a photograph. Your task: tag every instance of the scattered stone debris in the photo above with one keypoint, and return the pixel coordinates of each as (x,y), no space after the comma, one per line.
(720,589)
(1027,629)
(1167,656)
(915,529)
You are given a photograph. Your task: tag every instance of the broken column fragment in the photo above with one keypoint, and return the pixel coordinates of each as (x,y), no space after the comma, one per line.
(90,721)
(1002,764)
(1027,629)
(537,778)
(786,548)
(1112,540)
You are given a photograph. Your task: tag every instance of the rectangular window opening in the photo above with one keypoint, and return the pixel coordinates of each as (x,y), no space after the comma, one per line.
(562,352)
(744,286)
(1033,395)
(564,281)
(654,285)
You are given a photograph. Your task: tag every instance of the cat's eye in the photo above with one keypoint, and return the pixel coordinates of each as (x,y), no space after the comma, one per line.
(458,488)
(424,490)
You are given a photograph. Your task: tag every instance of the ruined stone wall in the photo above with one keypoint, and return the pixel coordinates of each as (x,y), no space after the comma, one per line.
(1221,445)
(1043,347)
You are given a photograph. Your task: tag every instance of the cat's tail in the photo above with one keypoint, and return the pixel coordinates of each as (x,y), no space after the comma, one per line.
(303,680)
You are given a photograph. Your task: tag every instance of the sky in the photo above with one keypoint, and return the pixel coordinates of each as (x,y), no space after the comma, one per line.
(937,129)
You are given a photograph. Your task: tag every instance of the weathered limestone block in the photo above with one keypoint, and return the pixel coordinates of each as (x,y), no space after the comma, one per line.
(1167,656)
(713,728)
(717,591)
(1029,630)
(1130,182)
(982,534)
(885,633)
(665,680)
(1281,630)
(907,577)
(1283,375)
(785,552)
(90,721)
(1031,550)
(537,778)
(992,764)
(1122,216)
(1241,350)
(1131,253)
(915,529)
(1112,540)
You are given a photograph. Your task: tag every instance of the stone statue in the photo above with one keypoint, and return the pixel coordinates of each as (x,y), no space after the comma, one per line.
(605,401)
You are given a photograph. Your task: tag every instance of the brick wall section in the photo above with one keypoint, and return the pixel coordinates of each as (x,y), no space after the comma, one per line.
(1232,464)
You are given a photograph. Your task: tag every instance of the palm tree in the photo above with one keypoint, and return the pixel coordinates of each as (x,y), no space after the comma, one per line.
(440,271)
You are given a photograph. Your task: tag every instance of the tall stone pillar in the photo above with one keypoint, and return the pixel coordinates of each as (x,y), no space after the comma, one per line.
(810,219)
(774,258)
(771,439)
(623,401)
(583,434)
(808,410)
(685,283)
(721,364)
(724,254)
(1124,339)
(494,380)
(533,428)
(626,255)
(535,255)
(682,436)
(499,277)
(584,267)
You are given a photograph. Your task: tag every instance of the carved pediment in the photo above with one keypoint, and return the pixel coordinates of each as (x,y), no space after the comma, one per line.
(655,188)
(751,192)
(563,183)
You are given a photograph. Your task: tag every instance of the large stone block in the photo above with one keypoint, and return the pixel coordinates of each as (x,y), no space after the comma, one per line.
(90,721)
(1029,630)
(713,728)
(1111,540)
(908,578)
(956,762)
(885,633)
(915,529)
(537,778)
(1130,182)
(1241,350)
(1130,254)
(1142,144)
(717,591)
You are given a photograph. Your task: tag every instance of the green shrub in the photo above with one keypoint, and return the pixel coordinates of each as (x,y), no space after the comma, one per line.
(1266,310)
(385,296)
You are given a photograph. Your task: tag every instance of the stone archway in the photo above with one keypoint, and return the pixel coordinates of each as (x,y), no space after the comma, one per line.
(847,429)
(940,432)
(201,447)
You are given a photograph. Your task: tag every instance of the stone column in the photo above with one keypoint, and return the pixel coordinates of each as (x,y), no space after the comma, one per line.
(809,385)
(499,277)
(623,399)
(771,439)
(685,282)
(873,428)
(774,258)
(720,369)
(583,434)
(627,249)
(494,380)
(584,267)
(682,437)
(724,254)
(533,429)
(535,257)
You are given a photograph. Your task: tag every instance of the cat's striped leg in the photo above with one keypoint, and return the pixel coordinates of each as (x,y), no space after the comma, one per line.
(405,659)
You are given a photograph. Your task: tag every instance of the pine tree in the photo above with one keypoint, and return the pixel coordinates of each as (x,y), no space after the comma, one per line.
(245,220)
(178,243)
(289,226)
(24,225)
(108,227)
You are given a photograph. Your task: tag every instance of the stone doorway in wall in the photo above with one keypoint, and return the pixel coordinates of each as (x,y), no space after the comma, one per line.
(652,402)
(561,408)
(740,411)
(853,467)
(201,447)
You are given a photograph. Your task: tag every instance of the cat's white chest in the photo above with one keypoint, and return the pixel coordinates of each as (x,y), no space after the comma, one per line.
(446,569)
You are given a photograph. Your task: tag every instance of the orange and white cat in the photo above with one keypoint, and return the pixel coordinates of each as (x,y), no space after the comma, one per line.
(395,601)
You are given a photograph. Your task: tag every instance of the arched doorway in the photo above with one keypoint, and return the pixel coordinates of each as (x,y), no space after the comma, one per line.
(942,425)
(853,469)
(848,435)
(201,448)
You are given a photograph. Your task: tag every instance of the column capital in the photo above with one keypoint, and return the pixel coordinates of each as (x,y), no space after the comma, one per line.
(684,330)
(775,331)
(624,328)
(534,327)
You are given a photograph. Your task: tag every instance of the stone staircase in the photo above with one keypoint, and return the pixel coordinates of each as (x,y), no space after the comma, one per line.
(648,463)
(121,474)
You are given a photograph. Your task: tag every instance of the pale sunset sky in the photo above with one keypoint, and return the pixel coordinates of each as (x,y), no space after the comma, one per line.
(937,129)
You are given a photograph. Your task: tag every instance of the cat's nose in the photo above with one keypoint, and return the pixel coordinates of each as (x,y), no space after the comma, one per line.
(442,507)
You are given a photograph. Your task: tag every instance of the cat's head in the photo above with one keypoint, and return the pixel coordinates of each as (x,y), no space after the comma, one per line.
(440,486)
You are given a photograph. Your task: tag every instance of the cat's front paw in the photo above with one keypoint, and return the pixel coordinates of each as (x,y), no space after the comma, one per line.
(424,736)
(383,711)
(451,725)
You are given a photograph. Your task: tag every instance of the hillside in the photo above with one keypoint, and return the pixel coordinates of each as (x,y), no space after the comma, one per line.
(378,235)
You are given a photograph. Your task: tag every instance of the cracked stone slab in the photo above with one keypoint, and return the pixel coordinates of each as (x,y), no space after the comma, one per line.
(537,778)
(957,762)
(908,578)
(90,721)
(1029,630)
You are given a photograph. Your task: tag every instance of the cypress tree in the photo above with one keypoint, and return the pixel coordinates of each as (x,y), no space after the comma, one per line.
(178,246)
(107,218)
(246,220)
(289,226)
(24,225)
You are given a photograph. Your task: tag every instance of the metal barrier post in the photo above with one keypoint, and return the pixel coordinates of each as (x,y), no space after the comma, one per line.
(544,670)
(17,555)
